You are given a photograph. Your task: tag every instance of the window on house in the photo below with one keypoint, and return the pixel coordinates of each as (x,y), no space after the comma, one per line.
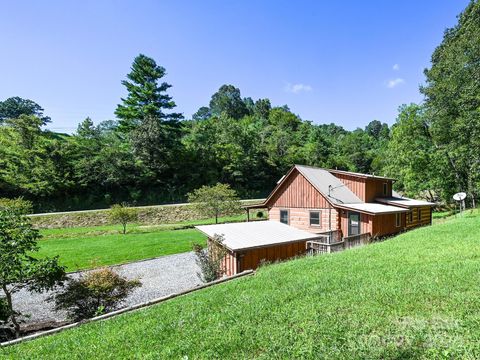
(284,216)
(410,216)
(419,214)
(385,189)
(353,223)
(314,218)
(398,219)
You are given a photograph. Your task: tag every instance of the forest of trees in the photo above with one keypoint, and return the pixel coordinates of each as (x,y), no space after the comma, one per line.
(151,154)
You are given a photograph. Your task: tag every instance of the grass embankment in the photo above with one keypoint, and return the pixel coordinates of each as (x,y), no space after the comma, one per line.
(147,215)
(88,247)
(417,295)
(442,214)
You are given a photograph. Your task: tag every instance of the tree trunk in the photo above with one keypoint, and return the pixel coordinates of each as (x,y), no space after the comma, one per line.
(124,229)
(216,218)
(12,317)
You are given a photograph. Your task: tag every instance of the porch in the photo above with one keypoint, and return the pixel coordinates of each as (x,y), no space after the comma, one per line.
(333,241)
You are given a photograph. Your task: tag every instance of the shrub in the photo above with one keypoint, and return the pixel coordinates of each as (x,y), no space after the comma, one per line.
(94,293)
(17,205)
(210,260)
(260,214)
(123,214)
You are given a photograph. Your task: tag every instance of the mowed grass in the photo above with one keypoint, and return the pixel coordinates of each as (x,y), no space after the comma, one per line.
(81,248)
(442,214)
(84,252)
(413,296)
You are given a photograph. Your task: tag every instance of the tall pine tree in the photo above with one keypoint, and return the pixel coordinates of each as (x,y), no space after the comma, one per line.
(147,98)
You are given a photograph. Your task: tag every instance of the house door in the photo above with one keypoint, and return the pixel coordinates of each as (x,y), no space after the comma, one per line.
(353,223)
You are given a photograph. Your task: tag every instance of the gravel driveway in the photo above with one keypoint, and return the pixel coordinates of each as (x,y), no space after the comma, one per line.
(159,277)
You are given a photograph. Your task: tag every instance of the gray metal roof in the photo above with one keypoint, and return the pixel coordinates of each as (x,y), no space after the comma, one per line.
(402,201)
(372,176)
(330,186)
(247,235)
(374,208)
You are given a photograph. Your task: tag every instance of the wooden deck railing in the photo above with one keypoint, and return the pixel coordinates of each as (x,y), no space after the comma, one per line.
(331,237)
(356,240)
(328,243)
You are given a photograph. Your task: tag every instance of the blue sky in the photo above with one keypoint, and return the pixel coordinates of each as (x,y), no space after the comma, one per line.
(346,62)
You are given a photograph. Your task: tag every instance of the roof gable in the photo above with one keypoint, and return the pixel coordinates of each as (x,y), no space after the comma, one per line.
(327,185)
(335,191)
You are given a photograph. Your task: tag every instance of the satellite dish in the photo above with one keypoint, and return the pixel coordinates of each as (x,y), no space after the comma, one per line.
(459,196)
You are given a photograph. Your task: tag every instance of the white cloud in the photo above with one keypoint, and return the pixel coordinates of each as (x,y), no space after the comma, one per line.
(297,88)
(395,82)
(396,67)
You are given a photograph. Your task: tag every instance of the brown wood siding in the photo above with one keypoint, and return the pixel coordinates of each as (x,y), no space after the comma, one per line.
(367,189)
(365,223)
(354,183)
(297,192)
(300,218)
(425,217)
(376,225)
(251,259)
(385,224)
(374,189)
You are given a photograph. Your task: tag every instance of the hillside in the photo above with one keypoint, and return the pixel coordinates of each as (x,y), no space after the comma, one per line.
(416,295)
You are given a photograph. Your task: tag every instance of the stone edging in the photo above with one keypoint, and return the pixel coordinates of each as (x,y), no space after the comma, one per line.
(124,310)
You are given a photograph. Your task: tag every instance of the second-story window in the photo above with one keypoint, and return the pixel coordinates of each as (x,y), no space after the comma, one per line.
(314,218)
(385,189)
(284,216)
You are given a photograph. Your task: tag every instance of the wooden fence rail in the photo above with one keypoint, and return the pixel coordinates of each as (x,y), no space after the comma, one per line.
(356,240)
(325,244)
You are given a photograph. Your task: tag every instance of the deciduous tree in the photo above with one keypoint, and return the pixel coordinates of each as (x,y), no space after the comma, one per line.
(227,101)
(452,94)
(216,200)
(18,267)
(15,106)
(122,214)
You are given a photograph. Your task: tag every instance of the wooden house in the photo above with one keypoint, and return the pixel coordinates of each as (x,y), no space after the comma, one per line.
(320,200)
(341,208)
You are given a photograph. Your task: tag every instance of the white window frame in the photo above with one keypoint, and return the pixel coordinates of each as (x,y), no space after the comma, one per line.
(319,225)
(398,219)
(288,216)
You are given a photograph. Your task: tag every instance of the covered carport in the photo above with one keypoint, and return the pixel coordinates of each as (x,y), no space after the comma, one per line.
(249,243)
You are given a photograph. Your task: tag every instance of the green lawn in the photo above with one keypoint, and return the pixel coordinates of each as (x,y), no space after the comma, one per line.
(442,214)
(92,251)
(414,296)
(87,247)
